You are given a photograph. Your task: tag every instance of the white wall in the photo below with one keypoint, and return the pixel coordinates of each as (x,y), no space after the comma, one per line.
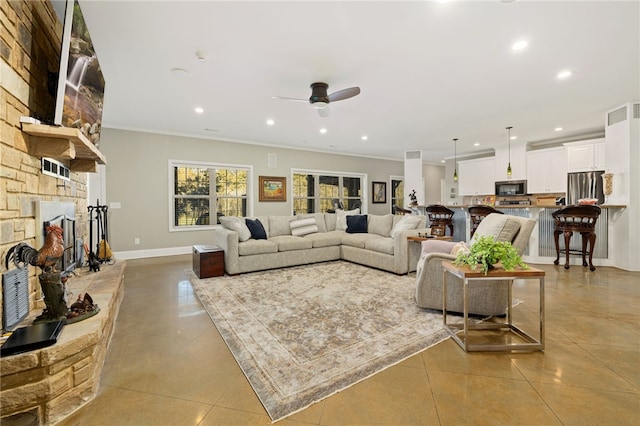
(433,176)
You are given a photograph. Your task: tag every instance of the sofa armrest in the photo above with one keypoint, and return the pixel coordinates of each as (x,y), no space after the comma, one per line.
(431,263)
(488,297)
(227,240)
(405,254)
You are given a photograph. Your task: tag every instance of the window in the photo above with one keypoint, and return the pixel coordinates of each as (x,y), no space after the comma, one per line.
(397,192)
(317,192)
(201,191)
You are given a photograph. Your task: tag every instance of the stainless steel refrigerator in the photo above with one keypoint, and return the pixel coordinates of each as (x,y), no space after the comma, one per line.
(585,185)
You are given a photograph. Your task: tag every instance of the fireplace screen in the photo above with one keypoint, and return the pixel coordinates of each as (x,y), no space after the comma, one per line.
(68,225)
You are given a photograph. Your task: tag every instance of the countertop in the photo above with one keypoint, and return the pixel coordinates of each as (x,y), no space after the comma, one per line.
(516,206)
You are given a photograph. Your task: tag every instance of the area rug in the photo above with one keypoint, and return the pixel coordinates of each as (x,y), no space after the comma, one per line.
(301,334)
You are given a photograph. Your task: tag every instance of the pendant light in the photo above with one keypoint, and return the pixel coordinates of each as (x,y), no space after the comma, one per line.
(509,171)
(455,160)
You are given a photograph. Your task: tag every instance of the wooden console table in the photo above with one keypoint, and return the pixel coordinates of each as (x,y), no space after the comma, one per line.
(468,276)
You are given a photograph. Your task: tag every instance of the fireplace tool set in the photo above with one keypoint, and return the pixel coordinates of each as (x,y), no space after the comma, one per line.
(103,251)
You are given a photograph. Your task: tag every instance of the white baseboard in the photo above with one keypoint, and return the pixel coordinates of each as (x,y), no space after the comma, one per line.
(141,254)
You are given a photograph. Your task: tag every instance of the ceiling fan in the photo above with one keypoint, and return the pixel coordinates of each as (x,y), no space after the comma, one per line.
(320,100)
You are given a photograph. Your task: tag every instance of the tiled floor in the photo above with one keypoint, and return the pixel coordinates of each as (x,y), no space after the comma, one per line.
(167,364)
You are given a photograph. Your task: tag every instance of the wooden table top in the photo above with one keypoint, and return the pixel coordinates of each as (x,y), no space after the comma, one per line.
(465,271)
(434,237)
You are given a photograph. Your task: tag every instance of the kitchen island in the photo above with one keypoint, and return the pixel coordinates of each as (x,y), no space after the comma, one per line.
(541,248)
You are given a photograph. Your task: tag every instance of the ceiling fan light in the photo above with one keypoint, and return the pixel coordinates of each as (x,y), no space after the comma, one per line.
(320,105)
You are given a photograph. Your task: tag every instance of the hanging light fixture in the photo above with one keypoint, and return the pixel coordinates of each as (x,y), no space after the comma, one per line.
(455,160)
(509,171)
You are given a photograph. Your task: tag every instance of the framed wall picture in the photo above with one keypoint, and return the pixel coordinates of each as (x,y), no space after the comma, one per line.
(379,192)
(272,188)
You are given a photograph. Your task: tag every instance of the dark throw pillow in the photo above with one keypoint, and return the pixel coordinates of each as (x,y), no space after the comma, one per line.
(256,229)
(357,224)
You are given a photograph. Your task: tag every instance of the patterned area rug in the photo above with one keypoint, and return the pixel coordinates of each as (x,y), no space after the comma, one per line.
(301,334)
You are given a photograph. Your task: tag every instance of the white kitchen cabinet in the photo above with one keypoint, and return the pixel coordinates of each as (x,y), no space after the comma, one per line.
(518,163)
(476,177)
(599,156)
(585,156)
(547,171)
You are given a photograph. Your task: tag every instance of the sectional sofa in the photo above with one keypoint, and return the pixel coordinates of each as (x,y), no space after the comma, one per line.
(379,241)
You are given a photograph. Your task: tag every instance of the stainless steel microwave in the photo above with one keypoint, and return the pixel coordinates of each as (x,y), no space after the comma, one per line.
(511,187)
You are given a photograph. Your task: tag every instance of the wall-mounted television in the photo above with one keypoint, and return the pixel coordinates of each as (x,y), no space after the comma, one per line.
(80,89)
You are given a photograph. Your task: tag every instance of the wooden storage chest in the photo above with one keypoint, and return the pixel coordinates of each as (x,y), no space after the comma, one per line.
(208,261)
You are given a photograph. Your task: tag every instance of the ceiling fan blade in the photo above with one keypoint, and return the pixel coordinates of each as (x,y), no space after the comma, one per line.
(324,112)
(290,99)
(344,94)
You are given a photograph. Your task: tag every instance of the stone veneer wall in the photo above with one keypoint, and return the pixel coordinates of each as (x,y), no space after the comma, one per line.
(30,42)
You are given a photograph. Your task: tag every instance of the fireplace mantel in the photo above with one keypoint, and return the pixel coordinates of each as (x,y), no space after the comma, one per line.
(64,143)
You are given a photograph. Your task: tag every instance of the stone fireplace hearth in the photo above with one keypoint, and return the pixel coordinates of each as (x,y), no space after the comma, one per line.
(46,385)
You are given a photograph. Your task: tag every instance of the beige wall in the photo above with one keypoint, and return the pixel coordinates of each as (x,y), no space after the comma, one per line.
(137,178)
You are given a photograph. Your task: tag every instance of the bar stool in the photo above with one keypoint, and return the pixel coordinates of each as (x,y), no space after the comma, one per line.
(440,218)
(582,219)
(479,212)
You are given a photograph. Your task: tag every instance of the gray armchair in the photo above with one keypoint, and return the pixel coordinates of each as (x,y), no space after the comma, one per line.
(485,297)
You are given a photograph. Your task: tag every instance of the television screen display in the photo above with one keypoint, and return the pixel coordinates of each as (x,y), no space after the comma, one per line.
(80,92)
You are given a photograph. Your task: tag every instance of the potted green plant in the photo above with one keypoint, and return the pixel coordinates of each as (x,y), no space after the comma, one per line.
(486,252)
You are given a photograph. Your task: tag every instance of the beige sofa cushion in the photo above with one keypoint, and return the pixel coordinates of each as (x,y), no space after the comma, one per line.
(406,223)
(279,225)
(330,220)
(380,225)
(325,239)
(502,227)
(358,240)
(251,247)
(289,242)
(238,224)
(381,245)
(341,218)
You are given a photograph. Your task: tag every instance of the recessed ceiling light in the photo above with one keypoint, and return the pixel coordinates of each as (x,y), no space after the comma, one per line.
(519,45)
(180,72)
(323,130)
(443,161)
(564,74)
(476,144)
(199,110)
(558,129)
(202,55)
(364,137)
(270,122)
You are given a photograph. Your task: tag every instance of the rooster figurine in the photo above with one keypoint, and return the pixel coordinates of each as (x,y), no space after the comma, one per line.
(51,251)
